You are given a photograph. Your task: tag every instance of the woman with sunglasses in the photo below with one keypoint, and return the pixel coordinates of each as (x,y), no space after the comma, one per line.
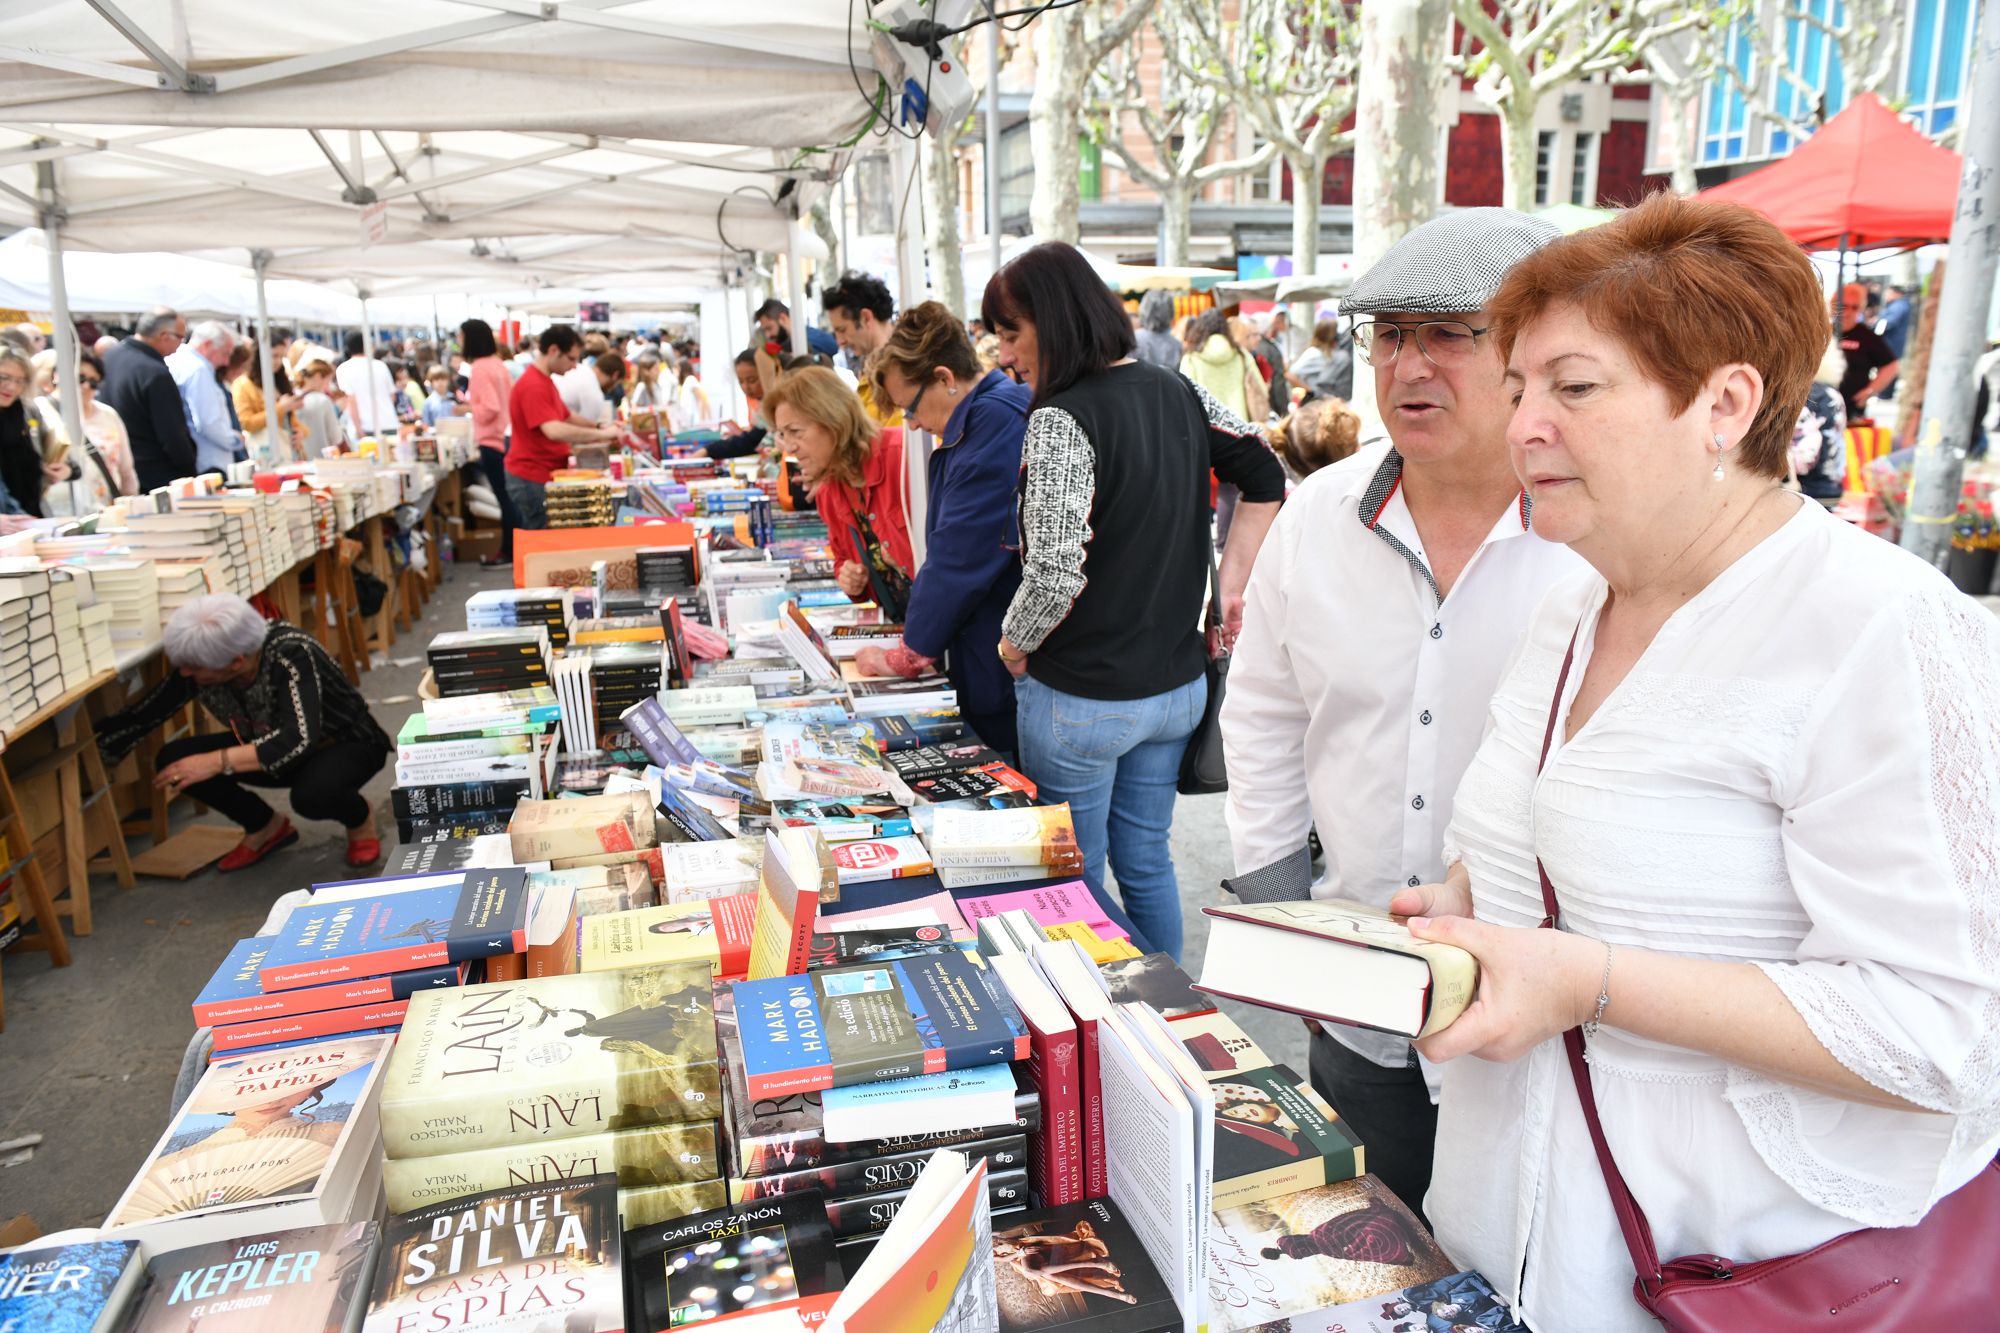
(1103,636)
(929,373)
(104,469)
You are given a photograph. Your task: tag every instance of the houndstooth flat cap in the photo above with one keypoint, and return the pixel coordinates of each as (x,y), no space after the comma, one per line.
(1454,262)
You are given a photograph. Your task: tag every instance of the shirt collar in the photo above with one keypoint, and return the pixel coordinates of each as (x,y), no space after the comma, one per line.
(954,428)
(1377,493)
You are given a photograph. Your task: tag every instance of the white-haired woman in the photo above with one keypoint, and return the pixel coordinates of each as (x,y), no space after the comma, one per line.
(293,720)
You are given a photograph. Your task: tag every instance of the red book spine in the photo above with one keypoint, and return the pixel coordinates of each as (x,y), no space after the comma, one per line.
(1091,1094)
(326,1023)
(366,991)
(1056,1154)
(784,1082)
(320,971)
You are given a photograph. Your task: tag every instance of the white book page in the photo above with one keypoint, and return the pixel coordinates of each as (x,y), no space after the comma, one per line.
(1159,1037)
(1150,1163)
(939,1182)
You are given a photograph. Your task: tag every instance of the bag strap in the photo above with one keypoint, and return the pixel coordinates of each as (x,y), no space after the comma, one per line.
(1631,1218)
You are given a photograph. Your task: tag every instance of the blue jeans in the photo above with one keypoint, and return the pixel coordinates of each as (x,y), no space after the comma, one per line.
(1116,762)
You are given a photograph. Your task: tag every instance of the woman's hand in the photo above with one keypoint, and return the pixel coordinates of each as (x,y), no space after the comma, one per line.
(1533,985)
(1016,660)
(1453,897)
(873,661)
(185,772)
(853,579)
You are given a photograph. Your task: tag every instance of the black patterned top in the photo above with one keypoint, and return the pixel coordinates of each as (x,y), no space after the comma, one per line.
(296,703)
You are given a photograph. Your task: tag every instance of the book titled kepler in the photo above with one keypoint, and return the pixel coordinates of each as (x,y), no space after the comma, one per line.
(849,1025)
(475,914)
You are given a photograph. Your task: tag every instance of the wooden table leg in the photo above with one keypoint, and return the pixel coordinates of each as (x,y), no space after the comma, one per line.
(76,852)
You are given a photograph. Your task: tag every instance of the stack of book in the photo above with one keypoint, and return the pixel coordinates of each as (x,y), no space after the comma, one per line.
(350,958)
(462,802)
(489,661)
(180,583)
(597,684)
(131,588)
(510,608)
(584,502)
(550,1077)
(609,830)
(976,847)
(66,618)
(93,616)
(28,639)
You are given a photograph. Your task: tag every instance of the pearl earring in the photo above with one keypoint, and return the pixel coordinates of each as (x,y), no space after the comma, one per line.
(1719,446)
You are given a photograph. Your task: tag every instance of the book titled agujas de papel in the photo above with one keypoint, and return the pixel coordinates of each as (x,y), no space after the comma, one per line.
(232,995)
(483,914)
(848,1025)
(528,1257)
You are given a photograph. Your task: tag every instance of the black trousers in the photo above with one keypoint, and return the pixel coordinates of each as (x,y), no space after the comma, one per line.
(493,462)
(327,784)
(1389,1110)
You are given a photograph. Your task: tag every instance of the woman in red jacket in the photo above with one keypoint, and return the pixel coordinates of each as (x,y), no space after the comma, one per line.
(855,470)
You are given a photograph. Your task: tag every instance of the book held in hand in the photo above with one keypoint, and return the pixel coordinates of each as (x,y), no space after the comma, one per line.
(311,1279)
(1338,962)
(524,1257)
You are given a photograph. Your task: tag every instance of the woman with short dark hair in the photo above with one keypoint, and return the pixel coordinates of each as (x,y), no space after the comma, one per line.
(1103,637)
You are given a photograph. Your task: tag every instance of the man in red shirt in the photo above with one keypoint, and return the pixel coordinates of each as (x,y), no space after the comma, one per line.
(544,427)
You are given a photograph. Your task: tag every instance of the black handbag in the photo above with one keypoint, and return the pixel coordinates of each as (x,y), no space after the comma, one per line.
(1204,771)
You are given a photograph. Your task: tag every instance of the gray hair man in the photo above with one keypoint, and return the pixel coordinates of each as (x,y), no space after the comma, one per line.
(141,390)
(1356,702)
(290,719)
(197,370)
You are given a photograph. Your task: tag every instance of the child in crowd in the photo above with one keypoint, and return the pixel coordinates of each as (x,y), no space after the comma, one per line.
(440,403)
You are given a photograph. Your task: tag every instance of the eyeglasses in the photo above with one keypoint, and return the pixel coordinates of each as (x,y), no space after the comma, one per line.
(915,403)
(1444,342)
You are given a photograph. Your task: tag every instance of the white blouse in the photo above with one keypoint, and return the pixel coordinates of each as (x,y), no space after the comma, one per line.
(1801,772)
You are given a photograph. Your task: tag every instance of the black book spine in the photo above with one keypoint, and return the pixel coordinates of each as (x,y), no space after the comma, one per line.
(439,799)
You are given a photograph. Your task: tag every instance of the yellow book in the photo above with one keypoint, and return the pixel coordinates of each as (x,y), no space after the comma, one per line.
(716,931)
(788,897)
(1101,950)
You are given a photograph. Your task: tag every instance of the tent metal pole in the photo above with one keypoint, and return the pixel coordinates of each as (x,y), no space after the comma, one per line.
(993,141)
(909,241)
(368,374)
(795,278)
(260,261)
(65,331)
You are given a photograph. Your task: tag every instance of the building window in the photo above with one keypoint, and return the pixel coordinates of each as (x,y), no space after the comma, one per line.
(1545,154)
(1264,184)
(1939,59)
(1583,170)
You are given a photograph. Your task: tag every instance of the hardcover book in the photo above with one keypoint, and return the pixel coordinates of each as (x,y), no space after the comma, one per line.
(639,1158)
(233,996)
(771,1135)
(879,1175)
(863,1024)
(1078,1267)
(83,1287)
(1336,961)
(715,932)
(551,1058)
(770,1256)
(310,1280)
(262,1143)
(528,1257)
(1302,1252)
(475,914)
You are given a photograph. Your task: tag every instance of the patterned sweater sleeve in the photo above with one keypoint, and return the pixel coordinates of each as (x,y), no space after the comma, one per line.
(296,724)
(1237,452)
(1060,486)
(120,734)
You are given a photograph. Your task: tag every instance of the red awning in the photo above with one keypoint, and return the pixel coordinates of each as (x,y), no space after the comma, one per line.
(1866,176)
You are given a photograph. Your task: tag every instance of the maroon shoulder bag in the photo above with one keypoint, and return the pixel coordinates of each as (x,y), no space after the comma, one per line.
(1936,1274)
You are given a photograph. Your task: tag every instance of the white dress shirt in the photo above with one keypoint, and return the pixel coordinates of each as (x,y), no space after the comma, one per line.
(1801,772)
(206,404)
(582,394)
(1356,698)
(371,393)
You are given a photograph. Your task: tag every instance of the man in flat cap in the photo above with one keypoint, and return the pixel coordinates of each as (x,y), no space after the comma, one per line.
(1381,613)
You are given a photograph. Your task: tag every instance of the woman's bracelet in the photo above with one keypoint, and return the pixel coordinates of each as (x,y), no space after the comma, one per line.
(1596,1019)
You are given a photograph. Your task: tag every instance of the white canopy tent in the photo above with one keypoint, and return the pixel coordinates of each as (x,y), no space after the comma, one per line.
(159,125)
(128,283)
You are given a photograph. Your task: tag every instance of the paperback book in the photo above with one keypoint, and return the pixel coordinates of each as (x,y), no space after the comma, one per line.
(1078,1267)
(879,1175)
(550,1058)
(1274,1135)
(525,1258)
(765,1257)
(232,995)
(863,1024)
(308,1280)
(715,932)
(1461,1301)
(84,1287)
(643,1158)
(473,914)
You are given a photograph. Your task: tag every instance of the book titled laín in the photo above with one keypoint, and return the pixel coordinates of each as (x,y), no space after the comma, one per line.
(551,1058)
(1336,961)
(475,914)
(848,1025)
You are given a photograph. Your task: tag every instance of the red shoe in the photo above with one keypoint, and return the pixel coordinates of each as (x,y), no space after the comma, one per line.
(363,852)
(243,855)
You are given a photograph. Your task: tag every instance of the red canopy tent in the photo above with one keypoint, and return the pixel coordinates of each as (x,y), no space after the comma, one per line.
(1866,180)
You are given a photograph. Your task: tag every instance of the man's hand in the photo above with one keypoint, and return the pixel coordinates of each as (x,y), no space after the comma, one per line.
(853,579)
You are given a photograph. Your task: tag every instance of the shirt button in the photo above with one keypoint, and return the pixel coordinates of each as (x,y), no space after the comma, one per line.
(1417,803)
(1414,881)
(1425,717)
(1437,631)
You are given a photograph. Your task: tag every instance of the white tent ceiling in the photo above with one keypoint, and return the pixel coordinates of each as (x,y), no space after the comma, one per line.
(126,284)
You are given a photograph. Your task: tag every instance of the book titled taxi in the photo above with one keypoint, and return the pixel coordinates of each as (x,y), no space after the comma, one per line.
(466,915)
(846,1025)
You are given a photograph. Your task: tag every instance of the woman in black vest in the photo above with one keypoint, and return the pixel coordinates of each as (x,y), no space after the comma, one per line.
(1104,636)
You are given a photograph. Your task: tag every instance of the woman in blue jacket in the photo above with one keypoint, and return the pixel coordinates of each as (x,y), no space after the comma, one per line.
(971,564)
